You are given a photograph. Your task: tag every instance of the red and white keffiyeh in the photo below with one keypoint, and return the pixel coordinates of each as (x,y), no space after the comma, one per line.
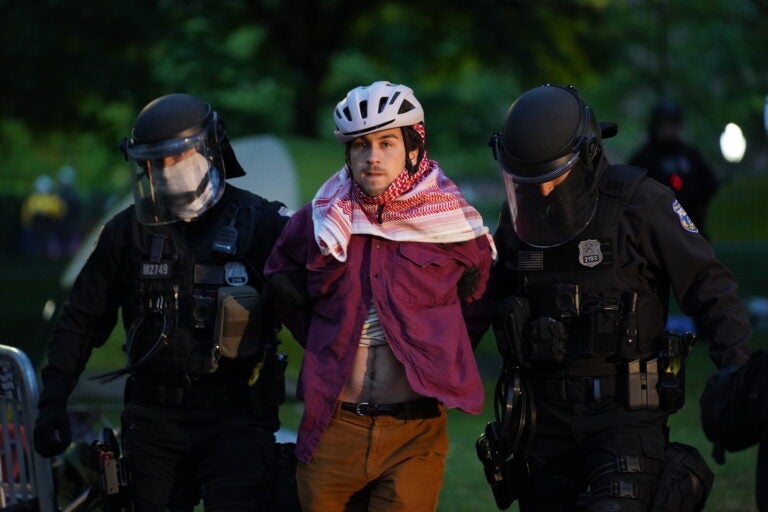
(425,207)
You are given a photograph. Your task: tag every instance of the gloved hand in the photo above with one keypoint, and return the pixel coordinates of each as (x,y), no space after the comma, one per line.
(52,433)
(468,282)
(286,290)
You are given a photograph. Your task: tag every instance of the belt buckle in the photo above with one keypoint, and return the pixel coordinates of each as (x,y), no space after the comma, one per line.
(363,408)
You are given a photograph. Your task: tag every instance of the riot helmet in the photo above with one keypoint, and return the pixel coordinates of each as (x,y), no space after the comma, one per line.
(180,156)
(548,151)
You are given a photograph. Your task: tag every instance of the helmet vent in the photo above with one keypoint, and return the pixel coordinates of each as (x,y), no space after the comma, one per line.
(394,98)
(382,104)
(364,109)
(405,107)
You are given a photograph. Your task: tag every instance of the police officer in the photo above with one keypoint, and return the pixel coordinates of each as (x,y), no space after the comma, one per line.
(183,265)
(588,252)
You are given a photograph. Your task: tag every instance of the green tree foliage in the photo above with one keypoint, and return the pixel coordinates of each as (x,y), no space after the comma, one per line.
(279,66)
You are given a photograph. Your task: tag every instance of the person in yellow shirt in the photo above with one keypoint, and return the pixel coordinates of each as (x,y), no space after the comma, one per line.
(41,214)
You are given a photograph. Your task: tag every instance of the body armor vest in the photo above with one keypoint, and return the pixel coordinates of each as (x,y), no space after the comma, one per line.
(171,307)
(584,302)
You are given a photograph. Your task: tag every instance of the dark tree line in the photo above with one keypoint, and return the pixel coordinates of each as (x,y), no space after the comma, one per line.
(279,65)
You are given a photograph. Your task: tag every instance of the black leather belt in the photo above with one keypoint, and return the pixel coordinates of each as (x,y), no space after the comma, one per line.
(418,409)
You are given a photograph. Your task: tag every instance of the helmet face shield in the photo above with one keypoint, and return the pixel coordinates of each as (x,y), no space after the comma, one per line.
(549,219)
(548,152)
(174,180)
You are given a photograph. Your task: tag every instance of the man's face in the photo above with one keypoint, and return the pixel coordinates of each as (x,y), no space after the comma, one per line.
(547,187)
(376,159)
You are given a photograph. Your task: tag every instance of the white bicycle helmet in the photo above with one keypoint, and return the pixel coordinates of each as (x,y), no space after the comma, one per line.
(395,106)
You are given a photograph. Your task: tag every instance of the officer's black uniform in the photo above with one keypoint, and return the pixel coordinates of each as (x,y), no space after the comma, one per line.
(194,424)
(593,318)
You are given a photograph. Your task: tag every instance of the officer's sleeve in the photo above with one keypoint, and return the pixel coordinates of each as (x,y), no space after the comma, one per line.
(472,285)
(703,286)
(500,282)
(89,313)
(288,262)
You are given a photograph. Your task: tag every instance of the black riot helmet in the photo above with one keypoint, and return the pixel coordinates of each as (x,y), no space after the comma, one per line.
(181,157)
(548,151)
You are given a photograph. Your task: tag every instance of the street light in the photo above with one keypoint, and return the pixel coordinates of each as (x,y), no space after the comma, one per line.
(732,143)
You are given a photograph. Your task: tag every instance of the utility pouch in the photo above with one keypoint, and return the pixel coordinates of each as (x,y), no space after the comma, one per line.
(546,341)
(641,381)
(238,321)
(604,322)
(509,318)
(267,384)
(674,349)
(629,333)
(504,474)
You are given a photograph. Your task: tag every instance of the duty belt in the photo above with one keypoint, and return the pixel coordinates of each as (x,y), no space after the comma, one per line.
(574,389)
(418,409)
(196,395)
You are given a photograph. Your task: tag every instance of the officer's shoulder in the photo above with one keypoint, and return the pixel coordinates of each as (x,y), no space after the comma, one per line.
(251,198)
(122,219)
(620,182)
(647,193)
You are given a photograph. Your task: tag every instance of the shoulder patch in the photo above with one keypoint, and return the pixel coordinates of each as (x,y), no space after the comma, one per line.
(685,220)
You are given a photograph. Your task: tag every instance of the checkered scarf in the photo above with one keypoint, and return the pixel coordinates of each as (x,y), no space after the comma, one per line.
(424,207)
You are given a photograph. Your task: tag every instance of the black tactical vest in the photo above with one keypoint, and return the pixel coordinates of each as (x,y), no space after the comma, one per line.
(584,302)
(170,309)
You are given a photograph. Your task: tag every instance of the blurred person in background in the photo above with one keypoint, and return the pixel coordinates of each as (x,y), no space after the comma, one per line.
(42,214)
(670,159)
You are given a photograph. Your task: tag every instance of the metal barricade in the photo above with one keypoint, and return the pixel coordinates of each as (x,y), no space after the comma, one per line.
(26,478)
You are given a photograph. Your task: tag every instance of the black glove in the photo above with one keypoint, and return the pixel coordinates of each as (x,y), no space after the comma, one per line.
(287,290)
(52,432)
(468,282)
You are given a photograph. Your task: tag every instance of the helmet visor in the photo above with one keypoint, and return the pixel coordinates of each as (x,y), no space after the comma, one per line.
(174,180)
(549,219)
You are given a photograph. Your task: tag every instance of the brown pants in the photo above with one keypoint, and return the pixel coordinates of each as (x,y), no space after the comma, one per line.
(375,464)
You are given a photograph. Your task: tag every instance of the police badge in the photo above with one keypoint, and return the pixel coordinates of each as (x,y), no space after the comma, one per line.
(590,254)
(235,273)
